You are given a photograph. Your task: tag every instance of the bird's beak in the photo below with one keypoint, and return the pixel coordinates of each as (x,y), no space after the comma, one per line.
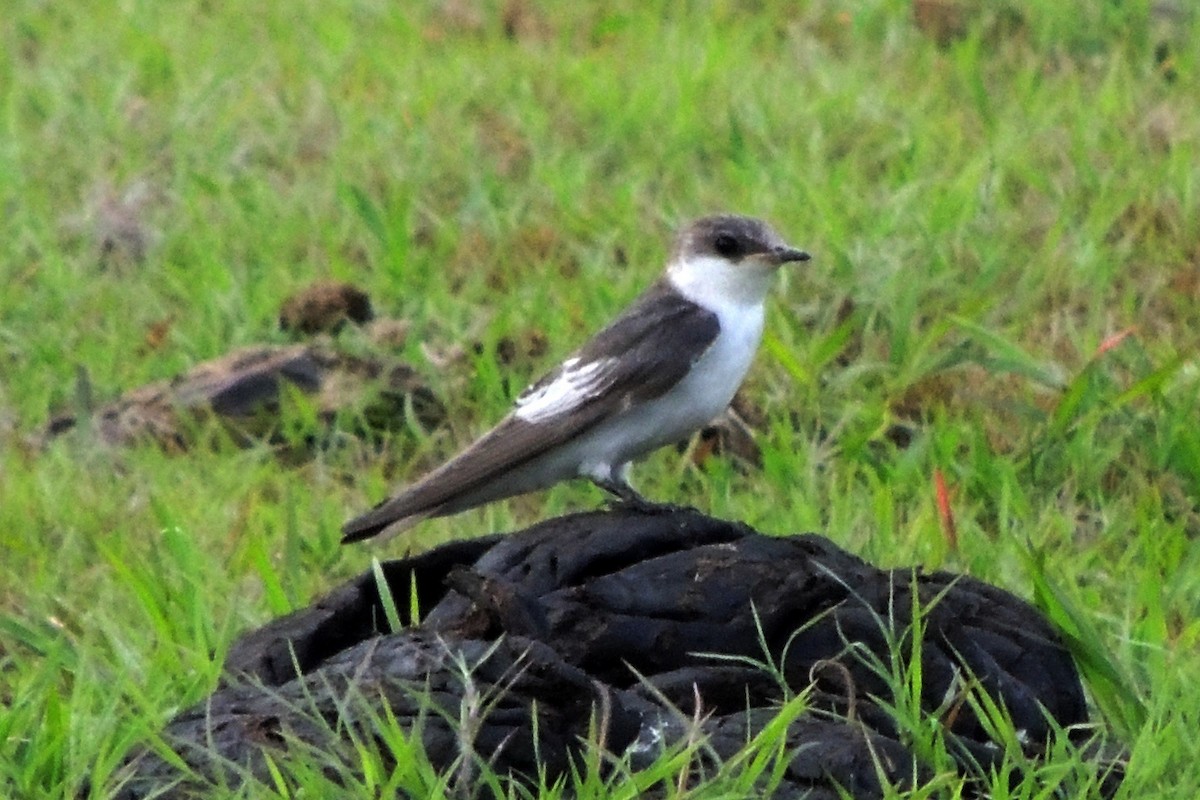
(784,255)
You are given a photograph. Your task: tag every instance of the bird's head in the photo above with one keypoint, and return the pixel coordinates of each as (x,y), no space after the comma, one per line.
(727,258)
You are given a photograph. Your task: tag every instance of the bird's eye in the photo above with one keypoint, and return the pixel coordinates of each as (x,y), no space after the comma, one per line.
(726,245)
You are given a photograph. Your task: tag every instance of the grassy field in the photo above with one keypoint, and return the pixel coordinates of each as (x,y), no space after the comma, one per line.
(1006,278)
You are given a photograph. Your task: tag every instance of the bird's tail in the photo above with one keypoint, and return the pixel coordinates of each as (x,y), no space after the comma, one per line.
(385,518)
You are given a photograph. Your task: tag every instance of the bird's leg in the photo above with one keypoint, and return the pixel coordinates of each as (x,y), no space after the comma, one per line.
(625,496)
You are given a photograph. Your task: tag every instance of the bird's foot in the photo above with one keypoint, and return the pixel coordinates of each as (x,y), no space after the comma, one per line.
(626,498)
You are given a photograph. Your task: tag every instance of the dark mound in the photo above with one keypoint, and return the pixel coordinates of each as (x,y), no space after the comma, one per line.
(607,627)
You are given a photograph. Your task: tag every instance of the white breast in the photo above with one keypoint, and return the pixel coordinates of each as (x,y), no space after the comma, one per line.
(695,401)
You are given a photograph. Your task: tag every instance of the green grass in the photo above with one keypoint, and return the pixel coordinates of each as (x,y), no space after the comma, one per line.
(983,215)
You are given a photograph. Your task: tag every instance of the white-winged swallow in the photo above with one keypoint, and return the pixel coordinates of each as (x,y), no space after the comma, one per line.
(664,368)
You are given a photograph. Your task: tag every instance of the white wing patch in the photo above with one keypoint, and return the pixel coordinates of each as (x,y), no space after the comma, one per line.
(575,385)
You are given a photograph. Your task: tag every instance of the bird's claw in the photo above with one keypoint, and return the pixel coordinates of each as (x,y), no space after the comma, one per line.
(623,497)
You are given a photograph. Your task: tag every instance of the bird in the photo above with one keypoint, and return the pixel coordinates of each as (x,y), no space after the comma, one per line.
(666,366)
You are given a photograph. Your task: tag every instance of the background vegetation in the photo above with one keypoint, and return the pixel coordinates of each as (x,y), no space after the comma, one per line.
(1001,200)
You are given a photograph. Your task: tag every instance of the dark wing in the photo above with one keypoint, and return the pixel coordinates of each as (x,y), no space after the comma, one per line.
(638,357)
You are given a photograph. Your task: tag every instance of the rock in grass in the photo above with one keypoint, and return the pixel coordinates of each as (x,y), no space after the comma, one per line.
(641,632)
(324,307)
(245,390)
